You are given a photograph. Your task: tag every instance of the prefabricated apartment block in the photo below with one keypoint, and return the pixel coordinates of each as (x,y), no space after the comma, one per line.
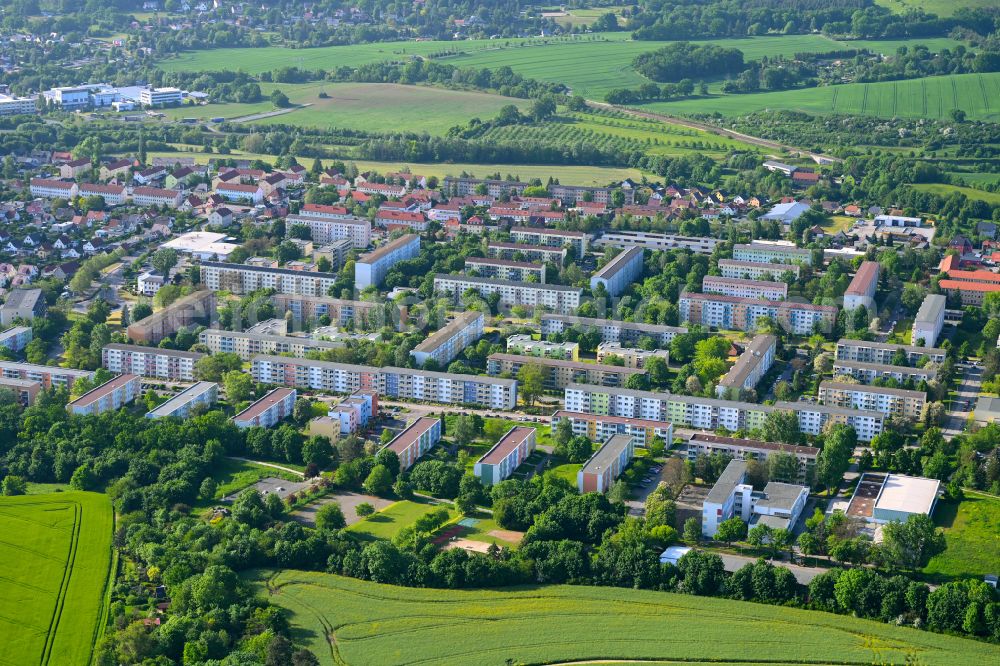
(417,439)
(109,396)
(269,410)
(506,455)
(153,362)
(181,405)
(599,473)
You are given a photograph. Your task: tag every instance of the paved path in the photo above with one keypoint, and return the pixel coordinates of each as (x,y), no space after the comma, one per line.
(271,465)
(267,114)
(967,393)
(803,575)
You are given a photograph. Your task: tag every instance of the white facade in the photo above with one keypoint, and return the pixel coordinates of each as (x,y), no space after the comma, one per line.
(326,230)
(751,270)
(12,106)
(53,189)
(929,321)
(159,96)
(182,404)
(241,279)
(370,269)
(620,272)
(556,298)
(772,252)
(742,288)
(446,343)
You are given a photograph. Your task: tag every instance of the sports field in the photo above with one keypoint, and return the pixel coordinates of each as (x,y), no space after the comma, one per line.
(55,552)
(348,621)
(931,97)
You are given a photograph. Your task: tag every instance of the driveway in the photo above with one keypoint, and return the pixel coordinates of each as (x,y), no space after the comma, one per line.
(348,502)
(803,575)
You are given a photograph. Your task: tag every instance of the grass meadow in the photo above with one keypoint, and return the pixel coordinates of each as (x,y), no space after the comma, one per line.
(56,555)
(971,530)
(353,622)
(387,523)
(939,7)
(944,190)
(931,97)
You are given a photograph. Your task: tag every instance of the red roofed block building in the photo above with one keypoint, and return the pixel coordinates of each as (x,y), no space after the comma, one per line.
(269,410)
(417,439)
(505,456)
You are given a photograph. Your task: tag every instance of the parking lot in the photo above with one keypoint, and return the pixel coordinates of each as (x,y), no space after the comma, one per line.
(272,485)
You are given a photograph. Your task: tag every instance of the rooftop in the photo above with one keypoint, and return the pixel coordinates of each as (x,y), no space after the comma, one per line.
(731,477)
(273,398)
(506,283)
(22,298)
(751,357)
(620,261)
(266,269)
(928,351)
(513,439)
(607,454)
(910,494)
(881,367)
(442,335)
(546,231)
(411,434)
(867,272)
(154,350)
(389,247)
(709,438)
(187,395)
(99,392)
(780,495)
(588,321)
(844,386)
(763,284)
(932,309)
(561,363)
(503,262)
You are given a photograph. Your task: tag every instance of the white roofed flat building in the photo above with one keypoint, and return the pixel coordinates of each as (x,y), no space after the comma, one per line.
(448,342)
(616,276)
(181,405)
(154,362)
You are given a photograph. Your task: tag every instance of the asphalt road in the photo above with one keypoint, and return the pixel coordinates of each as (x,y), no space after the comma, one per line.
(965,399)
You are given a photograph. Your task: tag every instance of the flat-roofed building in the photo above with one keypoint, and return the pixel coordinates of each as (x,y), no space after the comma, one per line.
(242,279)
(185,311)
(657,242)
(181,405)
(23,304)
(249,344)
(861,291)
(348,416)
(560,374)
(705,444)
(882,353)
(525,345)
(112,394)
(555,255)
(11,105)
(602,469)
(613,330)
(869,372)
(154,362)
(203,245)
(743,314)
(25,390)
(743,288)
(750,367)
(269,410)
(929,321)
(371,268)
(362,315)
(324,229)
(417,439)
(551,238)
(632,356)
(778,506)
(888,401)
(505,456)
(554,297)
(446,343)
(752,270)
(48,376)
(616,275)
(713,413)
(16,338)
(598,427)
(772,252)
(883,498)
(505,269)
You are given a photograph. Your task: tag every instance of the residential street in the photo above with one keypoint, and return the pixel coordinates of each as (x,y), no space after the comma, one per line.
(964,401)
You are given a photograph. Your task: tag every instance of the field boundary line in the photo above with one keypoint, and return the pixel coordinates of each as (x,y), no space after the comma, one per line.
(102,624)
(50,638)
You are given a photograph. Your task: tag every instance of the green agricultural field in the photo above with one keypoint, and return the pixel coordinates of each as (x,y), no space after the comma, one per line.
(970,528)
(944,190)
(389,521)
(932,97)
(977,177)
(939,7)
(578,175)
(56,555)
(353,622)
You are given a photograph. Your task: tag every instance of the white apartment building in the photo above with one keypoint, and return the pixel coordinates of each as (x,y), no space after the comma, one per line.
(929,321)
(238,192)
(557,298)
(16,338)
(869,372)
(370,269)
(113,195)
(743,288)
(160,96)
(446,343)
(882,353)
(888,401)
(242,279)
(555,255)
(613,330)
(633,356)
(653,241)
(551,238)
(181,405)
(47,375)
(53,189)
(525,345)
(157,196)
(13,106)
(326,229)
(148,283)
(168,364)
(107,397)
(772,252)
(750,367)
(861,291)
(705,444)
(278,404)
(752,270)
(616,276)
(778,506)
(505,269)
(249,344)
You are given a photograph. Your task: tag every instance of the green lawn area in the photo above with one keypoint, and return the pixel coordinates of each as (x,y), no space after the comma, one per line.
(567,471)
(972,530)
(839,223)
(234,475)
(484,524)
(349,621)
(939,7)
(389,521)
(977,177)
(56,554)
(929,97)
(941,189)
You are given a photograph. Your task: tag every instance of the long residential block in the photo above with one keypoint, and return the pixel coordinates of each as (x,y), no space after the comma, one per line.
(48,376)
(500,250)
(613,330)
(772,252)
(560,374)
(882,353)
(407,383)
(248,344)
(505,269)
(869,372)
(578,240)
(750,367)
(323,230)
(153,362)
(888,401)
(632,356)
(616,276)
(525,345)
(417,439)
(713,413)
(25,390)
(269,410)
(606,465)
(181,405)
(361,315)
(657,242)
(242,279)
(752,270)
(743,288)
(705,444)
(506,455)
(370,269)
(448,342)
(742,314)
(16,338)
(557,298)
(861,291)
(598,427)
(109,396)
